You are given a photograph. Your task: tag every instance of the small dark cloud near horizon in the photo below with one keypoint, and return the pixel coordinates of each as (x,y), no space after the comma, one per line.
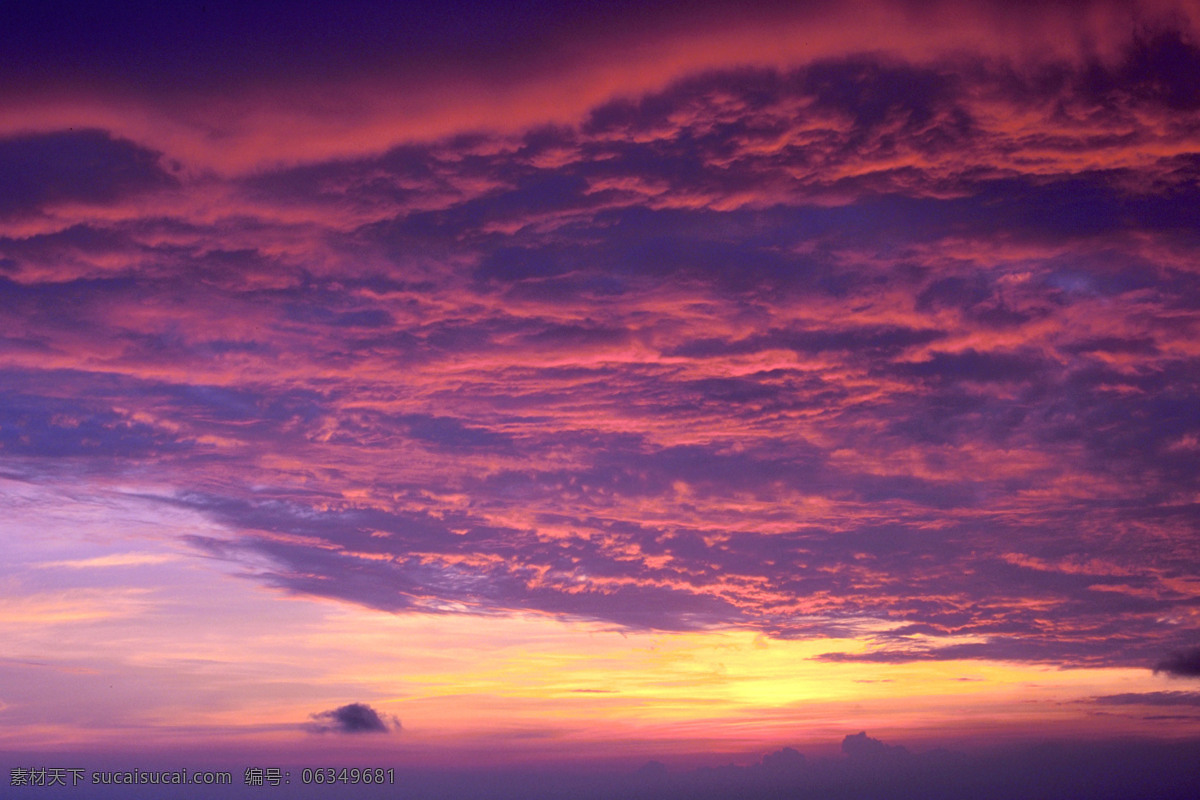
(1181,663)
(352,718)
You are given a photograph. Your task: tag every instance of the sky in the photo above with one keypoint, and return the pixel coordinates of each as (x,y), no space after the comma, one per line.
(709,393)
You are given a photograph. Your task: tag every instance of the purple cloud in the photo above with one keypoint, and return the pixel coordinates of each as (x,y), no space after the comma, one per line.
(825,349)
(351,718)
(1181,663)
(1150,699)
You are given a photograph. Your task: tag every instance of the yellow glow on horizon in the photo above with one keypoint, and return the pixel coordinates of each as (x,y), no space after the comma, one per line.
(184,647)
(524,671)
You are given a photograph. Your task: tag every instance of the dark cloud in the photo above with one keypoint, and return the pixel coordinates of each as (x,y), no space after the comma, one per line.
(1150,699)
(451,433)
(876,94)
(868,341)
(1181,663)
(88,166)
(1161,66)
(323,315)
(52,427)
(351,718)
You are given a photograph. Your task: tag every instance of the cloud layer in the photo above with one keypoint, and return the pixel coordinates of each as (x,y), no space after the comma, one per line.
(884,343)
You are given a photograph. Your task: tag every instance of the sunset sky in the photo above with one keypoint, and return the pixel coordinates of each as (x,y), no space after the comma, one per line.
(444,386)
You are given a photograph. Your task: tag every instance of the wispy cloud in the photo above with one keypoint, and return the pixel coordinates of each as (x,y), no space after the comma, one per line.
(1150,699)
(114,560)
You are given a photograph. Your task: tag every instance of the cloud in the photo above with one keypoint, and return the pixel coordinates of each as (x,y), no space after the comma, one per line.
(860,747)
(351,718)
(786,760)
(86,166)
(51,427)
(1180,663)
(895,344)
(1150,699)
(113,560)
